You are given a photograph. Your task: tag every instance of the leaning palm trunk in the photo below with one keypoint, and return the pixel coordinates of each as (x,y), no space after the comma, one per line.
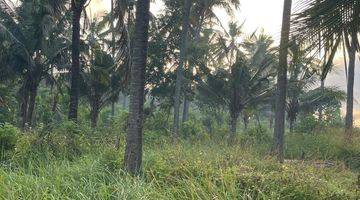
(179,73)
(133,151)
(279,128)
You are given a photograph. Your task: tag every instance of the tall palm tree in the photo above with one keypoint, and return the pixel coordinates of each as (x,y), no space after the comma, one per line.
(244,82)
(77,7)
(31,43)
(133,151)
(120,20)
(351,49)
(100,76)
(279,128)
(325,24)
(203,15)
(179,73)
(302,74)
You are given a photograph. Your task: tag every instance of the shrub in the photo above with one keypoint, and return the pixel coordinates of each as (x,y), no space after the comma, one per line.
(111,159)
(8,138)
(258,137)
(327,145)
(307,124)
(159,122)
(66,141)
(191,129)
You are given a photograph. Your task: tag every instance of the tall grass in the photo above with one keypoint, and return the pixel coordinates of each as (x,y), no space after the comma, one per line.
(44,166)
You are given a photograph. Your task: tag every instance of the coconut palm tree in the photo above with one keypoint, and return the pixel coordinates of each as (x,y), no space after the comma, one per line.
(179,72)
(77,7)
(100,74)
(279,127)
(120,44)
(326,24)
(32,43)
(244,82)
(133,151)
(202,15)
(302,74)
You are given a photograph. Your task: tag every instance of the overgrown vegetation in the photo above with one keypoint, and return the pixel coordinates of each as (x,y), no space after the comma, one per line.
(70,161)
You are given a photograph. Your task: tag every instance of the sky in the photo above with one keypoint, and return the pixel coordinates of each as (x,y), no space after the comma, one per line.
(266,15)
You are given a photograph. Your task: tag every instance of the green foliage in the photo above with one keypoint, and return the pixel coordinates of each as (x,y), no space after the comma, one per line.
(192,129)
(257,135)
(8,103)
(159,122)
(8,138)
(329,144)
(307,124)
(66,141)
(87,178)
(73,162)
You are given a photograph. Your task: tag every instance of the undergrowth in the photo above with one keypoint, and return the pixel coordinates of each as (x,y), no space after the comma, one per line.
(71,162)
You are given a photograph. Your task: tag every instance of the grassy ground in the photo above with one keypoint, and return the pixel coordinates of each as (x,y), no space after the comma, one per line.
(55,167)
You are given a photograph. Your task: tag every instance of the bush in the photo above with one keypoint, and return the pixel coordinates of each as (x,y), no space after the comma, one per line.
(307,124)
(351,156)
(327,145)
(192,129)
(111,160)
(159,122)
(66,141)
(258,137)
(8,138)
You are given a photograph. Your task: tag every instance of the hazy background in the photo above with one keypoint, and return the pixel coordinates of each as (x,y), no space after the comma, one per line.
(266,15)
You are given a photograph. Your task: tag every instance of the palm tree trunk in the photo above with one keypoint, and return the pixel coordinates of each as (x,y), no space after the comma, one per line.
(94,114)
(185,116)
(322,87)
(350,90)
(246,121)
(24,99)
(258,120)
(133,151)
(32,99)
(291,124)
(271,120)
(279,128)
(112,49)
(124,102)
(187,99)
(77,8)
(54,102)
(233,127)
(112,109)
(179,73)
